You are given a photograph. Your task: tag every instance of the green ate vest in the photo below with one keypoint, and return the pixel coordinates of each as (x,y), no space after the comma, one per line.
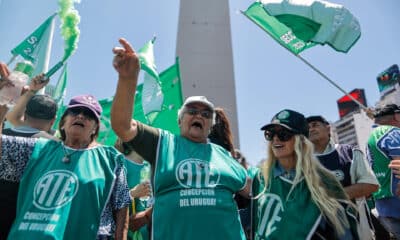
(385,136)
(194,184)
(134,173)
(64,200)
(279,217)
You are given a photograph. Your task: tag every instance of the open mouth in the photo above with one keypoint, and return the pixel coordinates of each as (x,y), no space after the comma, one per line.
(278,146)
(197,124)
(78,124)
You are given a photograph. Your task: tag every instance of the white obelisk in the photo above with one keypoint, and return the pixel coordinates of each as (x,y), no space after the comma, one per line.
(204,47)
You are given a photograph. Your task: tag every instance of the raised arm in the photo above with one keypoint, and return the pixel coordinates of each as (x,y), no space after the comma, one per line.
(4,81)
(16,115)
(126,63)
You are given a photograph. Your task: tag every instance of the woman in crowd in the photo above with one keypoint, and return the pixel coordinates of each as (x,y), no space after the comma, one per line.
(296,198)
(138,177)
(194,180)
(67,186)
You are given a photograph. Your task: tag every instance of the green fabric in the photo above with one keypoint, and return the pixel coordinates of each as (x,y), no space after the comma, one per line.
(298,25)
(52,193)
(61,88)
(194,185)
(134,176)
(37,41)
(275,211)
(166,119)
(252,171)
(146,58)
(277,30)
(302,27)
(380,162)
(338,27)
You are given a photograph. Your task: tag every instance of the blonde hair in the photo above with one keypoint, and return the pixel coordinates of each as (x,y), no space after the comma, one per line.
(308,166)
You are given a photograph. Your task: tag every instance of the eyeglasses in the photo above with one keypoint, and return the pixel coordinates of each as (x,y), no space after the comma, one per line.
(204,113)
(283,134)
(85,112)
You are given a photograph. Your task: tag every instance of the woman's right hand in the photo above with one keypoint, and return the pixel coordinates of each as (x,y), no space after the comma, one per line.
(141,190)
(4,72)
(126,61)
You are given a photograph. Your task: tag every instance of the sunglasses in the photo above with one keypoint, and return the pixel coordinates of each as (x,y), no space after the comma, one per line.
(81,110)
(204,113)
(282,134)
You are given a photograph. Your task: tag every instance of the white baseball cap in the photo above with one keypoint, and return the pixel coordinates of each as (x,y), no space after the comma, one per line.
(199,99)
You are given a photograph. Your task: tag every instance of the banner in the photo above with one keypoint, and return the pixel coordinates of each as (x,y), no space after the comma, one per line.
(388,79)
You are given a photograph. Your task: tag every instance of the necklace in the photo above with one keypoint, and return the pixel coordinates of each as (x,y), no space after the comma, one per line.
(67,155)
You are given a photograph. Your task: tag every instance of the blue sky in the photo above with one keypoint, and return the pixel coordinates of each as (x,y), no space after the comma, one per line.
(268,77)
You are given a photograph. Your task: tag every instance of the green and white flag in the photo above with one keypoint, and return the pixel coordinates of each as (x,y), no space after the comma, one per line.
(167,117)
(37,46)
(298,25)
(61,87)
(152,97)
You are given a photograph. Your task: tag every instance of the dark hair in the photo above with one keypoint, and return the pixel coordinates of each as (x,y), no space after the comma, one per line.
(62,131)
(221,133)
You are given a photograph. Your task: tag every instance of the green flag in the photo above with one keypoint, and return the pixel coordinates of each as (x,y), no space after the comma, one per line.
(61,88)
(106,134)
(37,46)
(167,117)
(298,25)
(146,58)
(151,97)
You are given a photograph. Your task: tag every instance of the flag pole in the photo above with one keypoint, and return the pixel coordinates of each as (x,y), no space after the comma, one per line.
(332,82)
(310,65)
(11,60)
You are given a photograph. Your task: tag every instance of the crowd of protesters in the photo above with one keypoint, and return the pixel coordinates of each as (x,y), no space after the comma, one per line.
(194,185)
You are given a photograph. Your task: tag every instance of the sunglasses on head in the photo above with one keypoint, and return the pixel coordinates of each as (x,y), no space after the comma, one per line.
(282,134)
(81,110)
(204,113)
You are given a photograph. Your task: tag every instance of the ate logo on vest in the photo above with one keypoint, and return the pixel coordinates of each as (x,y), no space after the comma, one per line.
(55,189)
(270,208)
(196,173)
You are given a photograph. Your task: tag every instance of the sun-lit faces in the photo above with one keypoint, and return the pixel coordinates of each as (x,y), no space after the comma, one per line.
(196,122)
(318,132)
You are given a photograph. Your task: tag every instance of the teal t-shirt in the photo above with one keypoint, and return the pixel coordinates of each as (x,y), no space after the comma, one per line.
(194,184)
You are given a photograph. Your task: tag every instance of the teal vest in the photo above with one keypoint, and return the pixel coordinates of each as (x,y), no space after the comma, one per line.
(278,216)
(133,176)
(382,136)
(194,184)
(64,200)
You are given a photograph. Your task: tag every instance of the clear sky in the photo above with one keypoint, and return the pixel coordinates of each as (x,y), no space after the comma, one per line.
(268,77)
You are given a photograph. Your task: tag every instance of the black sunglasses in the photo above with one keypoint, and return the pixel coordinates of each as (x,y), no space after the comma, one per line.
(204,113)
(85,112)
(283,134)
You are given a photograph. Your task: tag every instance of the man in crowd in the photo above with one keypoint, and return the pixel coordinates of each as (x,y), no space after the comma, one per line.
(349,166)
(383,153)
